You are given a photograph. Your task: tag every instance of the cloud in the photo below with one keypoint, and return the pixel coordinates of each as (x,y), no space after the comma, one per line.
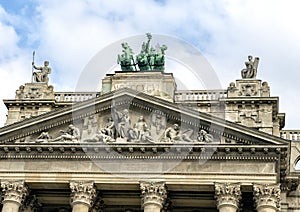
(14,66)
(69,33)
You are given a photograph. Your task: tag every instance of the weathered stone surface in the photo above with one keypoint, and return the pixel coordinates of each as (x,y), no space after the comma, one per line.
(161,85)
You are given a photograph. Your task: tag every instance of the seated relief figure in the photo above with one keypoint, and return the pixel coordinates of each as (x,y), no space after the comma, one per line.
(172,133)
(105,134)
(140,131)
(71,134)
(175,134)
(203,136)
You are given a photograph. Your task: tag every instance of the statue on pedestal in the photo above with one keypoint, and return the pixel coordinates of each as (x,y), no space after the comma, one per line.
(251,68)
(42,75)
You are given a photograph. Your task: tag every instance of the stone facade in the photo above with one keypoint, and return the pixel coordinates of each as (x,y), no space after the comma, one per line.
(142,145)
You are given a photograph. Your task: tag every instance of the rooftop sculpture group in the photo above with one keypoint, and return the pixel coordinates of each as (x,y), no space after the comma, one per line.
(148,59)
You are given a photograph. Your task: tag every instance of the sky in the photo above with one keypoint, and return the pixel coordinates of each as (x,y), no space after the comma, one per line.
(70,33)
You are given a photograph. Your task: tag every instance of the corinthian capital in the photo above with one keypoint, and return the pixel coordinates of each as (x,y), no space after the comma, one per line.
(15,191)
(82,192)
(228,194)
(153,193)
(267,195)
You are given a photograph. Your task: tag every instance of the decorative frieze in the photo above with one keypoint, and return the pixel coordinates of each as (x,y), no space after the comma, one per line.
(266,195)
(228,194)
(82,192)
(15,191)
(154,193)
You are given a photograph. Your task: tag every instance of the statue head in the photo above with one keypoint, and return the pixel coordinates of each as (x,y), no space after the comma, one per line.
(176,127)
(141,119)
(71,126)
(46,63)
(149,36)
(250,57)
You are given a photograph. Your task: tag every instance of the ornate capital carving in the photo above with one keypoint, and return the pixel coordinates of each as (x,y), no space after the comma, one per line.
(82,192)
(153,193)
(15,191)
(228,194)
(267,195)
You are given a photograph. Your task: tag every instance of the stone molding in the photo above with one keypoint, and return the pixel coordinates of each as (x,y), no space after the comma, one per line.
(153,193)
(267,195)
(228,194)
(82,192)
(14,191)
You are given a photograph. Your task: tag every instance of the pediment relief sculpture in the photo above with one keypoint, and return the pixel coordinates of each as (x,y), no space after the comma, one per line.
(123,127)
(71,134)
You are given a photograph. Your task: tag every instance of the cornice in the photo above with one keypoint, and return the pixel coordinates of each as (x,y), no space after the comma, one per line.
(141,151)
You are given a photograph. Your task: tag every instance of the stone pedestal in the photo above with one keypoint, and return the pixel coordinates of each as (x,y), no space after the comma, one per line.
(155,83)
(82,195)
(153,196)
(228,196)
(14,194)
(249,103)
(267,197)
(31,99)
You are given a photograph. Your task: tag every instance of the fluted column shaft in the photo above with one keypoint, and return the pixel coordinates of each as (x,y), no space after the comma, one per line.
(154,195)
(267,197)
(14,194)
(83,194)
(228,196)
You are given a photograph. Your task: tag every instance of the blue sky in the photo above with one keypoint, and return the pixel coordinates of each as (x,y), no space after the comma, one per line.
(69,33)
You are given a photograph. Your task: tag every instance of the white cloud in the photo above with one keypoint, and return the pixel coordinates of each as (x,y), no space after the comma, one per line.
(68,33)
(14,67)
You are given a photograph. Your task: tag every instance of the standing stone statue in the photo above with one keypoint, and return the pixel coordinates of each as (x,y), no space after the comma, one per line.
(42,75)
(251,68)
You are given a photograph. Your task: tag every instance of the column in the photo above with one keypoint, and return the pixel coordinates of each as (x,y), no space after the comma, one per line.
(154,195)
(267,197)
(83,194)
(228,196)
(14,194)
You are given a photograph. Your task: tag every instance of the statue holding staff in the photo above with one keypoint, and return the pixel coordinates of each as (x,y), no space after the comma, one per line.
(42,74)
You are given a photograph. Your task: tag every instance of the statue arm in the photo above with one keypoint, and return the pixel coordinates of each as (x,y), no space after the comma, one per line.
(37,68)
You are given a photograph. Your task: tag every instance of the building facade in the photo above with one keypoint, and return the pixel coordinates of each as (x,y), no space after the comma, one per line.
(142,145)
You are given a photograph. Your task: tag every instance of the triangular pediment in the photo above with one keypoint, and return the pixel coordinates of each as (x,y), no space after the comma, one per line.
(158,117)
